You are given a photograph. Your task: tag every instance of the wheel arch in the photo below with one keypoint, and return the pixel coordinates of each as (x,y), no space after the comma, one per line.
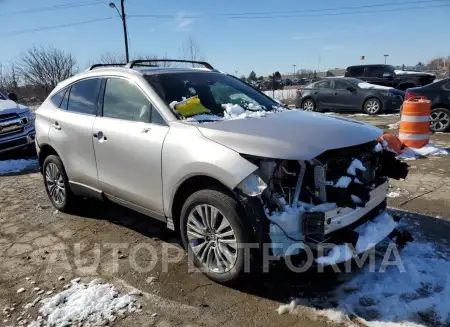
(189,186)
(44,151)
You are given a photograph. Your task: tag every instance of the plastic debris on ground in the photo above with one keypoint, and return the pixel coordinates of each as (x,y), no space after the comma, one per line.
(16,166)
(92,304)
(370,234)
(427,150)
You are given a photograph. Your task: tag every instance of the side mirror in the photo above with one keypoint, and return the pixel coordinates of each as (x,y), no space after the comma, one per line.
(350,88)
(12,96)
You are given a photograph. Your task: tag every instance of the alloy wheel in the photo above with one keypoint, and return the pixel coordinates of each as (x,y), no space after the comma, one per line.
(308,105)
(212,238)
(372,106)
(55,183)
(440,121)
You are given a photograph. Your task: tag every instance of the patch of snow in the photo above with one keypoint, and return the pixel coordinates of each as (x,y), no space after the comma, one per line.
(356,164)
(370,234)
(377,148)
(393,194)
(92,304)
(427,150)
(356,199)
(21,290)
(408,72)
(16,165)
(324,207)
(394,126)
(343,182)
(370,86)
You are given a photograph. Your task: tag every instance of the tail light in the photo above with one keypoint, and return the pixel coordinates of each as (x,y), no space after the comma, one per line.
(410,95)
(299,92)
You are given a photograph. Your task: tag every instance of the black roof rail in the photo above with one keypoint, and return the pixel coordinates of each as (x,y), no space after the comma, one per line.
(105,65)
(133,63)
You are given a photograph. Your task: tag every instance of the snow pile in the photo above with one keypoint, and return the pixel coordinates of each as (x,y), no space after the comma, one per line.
(427,150)
(370,234)
(93,304)
(394,126)
(409,72)
(356,164)
(369,86)
(16,166)
(343,182)
(285,228)
(396,193)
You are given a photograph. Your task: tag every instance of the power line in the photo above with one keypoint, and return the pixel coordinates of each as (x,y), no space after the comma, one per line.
(51,8)
(56,26)
(274,13)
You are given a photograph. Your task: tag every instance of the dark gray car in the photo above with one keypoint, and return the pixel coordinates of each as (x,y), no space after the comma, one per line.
(348,94)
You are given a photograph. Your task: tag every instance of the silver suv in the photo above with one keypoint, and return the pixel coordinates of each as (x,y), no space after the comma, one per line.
(218,161)
(16,124)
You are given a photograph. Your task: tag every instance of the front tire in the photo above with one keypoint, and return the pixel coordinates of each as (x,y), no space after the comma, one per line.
(57,184)
(372,106)
(440,120)
(213,232)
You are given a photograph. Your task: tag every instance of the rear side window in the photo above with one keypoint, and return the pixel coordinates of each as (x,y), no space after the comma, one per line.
(123,100)
(374,71)
(356,71)
(340,85)
(83,96)
(322,85)
(58,97)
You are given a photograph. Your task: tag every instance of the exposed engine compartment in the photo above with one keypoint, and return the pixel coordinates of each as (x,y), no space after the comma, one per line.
(308,200)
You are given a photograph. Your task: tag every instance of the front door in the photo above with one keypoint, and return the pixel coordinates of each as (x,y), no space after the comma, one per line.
(344,99)
(128,146)
(323,95)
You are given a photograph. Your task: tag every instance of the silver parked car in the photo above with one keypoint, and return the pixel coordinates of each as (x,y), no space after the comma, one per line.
(219,178)
(16,124)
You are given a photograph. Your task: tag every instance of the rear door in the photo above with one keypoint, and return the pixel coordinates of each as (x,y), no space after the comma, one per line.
(323,94)
(343,98)
(128,139)
(71,131)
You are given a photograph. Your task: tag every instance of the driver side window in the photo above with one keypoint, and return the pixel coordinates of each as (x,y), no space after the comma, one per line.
(123,100)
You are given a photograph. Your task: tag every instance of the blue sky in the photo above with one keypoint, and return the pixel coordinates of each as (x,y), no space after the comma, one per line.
(298,32)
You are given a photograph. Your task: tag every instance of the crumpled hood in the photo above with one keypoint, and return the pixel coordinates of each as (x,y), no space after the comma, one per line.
(294,134)
(9,106)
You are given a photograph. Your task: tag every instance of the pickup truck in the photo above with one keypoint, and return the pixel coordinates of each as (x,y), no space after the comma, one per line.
(16,124)
(388,75)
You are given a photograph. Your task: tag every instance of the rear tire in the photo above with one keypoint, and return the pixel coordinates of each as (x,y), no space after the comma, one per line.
(57,184)
(372,106)
(440,120)
(213,242)
(308,105)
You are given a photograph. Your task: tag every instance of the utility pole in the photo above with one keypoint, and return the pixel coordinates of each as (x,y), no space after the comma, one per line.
(124,23)
(385,57)
(294,70)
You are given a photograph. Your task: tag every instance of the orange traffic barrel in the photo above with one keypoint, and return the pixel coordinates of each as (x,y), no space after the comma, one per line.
(415,122)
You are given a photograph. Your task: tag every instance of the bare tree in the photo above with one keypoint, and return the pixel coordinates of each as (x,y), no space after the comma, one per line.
(9,79)
(190,50)
(45,67)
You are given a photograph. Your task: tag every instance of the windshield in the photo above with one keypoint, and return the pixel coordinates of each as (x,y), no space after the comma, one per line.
(215,91)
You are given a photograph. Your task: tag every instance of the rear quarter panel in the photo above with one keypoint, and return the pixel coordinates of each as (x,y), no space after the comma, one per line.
(44,119)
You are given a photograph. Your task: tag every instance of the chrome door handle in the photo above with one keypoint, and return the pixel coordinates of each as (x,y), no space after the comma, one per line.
(56,125)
